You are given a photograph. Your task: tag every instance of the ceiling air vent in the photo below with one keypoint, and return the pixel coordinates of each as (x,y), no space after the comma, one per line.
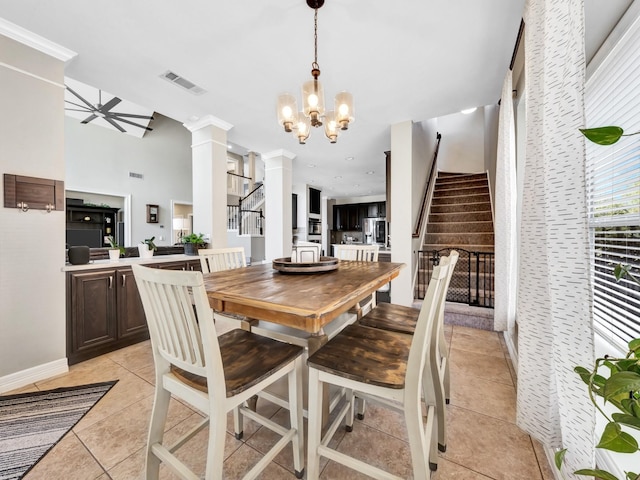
(182,82)
(136,175)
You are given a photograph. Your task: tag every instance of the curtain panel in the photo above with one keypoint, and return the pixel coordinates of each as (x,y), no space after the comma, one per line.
(554,288)
(504,313)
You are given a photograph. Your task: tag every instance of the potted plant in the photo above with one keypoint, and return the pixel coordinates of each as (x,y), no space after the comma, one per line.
(115,251)
(620,386)
(147,247)
(192,242)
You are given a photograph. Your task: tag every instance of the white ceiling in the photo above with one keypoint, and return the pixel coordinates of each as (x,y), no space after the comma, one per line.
(409,60)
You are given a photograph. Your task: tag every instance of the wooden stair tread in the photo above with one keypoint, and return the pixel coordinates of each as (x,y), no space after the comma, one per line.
(391,317)
(366,355)
(247,359)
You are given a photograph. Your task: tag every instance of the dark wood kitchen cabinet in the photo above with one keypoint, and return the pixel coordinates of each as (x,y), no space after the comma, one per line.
(104,312)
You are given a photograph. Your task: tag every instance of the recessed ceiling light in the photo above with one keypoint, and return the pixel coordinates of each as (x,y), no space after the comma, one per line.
(229,147)
(468,110)
(311,165)
(338,177)
(348,159)
(370,172)
(356,184)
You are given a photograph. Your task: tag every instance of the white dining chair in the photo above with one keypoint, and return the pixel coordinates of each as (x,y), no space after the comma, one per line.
(214,375)
(403,319)
(360,253)
(395,371)
(219,259)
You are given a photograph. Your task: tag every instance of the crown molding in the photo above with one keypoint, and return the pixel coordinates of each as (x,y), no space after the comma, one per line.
(279,153)
(30,39)
(207,121)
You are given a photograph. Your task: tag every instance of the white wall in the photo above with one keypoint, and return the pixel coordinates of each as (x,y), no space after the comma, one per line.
(99,160)
(462,147)
(32,305)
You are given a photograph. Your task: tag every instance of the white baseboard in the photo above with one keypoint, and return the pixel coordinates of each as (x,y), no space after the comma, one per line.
(513,351)
(17,380)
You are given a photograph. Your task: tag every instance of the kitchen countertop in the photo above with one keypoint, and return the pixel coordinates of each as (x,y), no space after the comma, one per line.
(380,250)
(127,261)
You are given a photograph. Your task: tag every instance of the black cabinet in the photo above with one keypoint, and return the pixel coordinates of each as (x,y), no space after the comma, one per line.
(351,217)
(89,225)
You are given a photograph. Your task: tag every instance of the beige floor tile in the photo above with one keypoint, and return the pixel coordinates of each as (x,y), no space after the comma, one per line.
(135,357)
(243,459)
(100,369)
(386,420)
(476,341)
(482,396)
(249,427)
(487,367)
(374,447)
(26,389)
(114,438)
(451,471)
(489,446)
(546,468)
(69,459)
(129,390)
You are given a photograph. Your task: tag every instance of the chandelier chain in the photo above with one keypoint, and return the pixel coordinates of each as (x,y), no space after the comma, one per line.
(315,38)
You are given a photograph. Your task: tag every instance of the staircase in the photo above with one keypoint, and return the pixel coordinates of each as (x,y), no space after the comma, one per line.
(461,219)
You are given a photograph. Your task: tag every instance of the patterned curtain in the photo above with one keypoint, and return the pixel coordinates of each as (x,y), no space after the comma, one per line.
(554,300)
(504,313)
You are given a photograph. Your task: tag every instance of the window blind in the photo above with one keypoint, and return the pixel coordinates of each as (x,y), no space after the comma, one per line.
(612,97)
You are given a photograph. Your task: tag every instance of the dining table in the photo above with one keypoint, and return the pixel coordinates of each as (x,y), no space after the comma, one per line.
(304,301)
(307,301)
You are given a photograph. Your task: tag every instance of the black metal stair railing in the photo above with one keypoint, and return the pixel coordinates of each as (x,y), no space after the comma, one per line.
(472,281)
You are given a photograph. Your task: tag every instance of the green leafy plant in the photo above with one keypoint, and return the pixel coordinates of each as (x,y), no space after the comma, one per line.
(621,388)
(605,135)
(149,241)
(194,238)
(114,244)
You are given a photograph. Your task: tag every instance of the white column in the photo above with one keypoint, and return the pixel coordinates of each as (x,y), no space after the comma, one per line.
(209,159)
(278,177)
(401,225)
(252,170)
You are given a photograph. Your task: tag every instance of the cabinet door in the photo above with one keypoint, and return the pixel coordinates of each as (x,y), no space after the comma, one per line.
(131,318)
(338,217)
(172,266)
(93,310)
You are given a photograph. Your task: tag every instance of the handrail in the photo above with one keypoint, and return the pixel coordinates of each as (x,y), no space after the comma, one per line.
(238,175)
(251,192)
(425,196)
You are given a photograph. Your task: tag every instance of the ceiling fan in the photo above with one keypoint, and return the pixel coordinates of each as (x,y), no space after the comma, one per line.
(104,111)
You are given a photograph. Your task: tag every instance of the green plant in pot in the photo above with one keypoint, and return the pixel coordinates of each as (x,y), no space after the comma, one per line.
(192,243)
(115,247)
(147,247)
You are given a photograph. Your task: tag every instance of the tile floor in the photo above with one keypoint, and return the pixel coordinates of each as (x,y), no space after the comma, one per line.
(484,442)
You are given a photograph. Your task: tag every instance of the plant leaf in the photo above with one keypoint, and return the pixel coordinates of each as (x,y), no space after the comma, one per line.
(634,346)
(614,439)
(628,420)
(585,374)
(603,135)
(633,476)
(621,383)
(604,475)
(559,458)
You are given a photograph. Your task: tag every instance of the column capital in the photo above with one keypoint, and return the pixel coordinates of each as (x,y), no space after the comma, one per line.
(278,153)
(207,121)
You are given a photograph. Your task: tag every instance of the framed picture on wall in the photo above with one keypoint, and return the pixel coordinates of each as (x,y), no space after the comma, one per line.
(152,213)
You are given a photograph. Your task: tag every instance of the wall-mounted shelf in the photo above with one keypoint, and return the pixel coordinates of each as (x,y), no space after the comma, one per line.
(31,193)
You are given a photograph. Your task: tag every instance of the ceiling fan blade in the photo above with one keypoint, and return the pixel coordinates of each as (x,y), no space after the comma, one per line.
(92,107)
(89,118)
(84,110)
(130,115)
(114,124)
(130,123)
(110,104)
(81,106)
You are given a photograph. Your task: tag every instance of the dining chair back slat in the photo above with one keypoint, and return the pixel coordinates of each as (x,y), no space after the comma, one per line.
(218,259)
(360,253)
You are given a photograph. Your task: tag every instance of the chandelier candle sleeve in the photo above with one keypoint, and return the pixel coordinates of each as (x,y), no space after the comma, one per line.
(313,107)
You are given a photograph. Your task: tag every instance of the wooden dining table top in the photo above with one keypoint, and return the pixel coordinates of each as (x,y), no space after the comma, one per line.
(303,301)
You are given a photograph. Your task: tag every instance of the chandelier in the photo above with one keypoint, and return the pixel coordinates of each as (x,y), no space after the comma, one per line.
(313,113)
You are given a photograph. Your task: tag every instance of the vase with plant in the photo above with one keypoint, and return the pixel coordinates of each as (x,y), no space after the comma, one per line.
(192,243)
(147,247)
(116,251)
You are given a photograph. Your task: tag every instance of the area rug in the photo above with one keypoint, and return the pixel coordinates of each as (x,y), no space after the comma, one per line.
(32,423)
